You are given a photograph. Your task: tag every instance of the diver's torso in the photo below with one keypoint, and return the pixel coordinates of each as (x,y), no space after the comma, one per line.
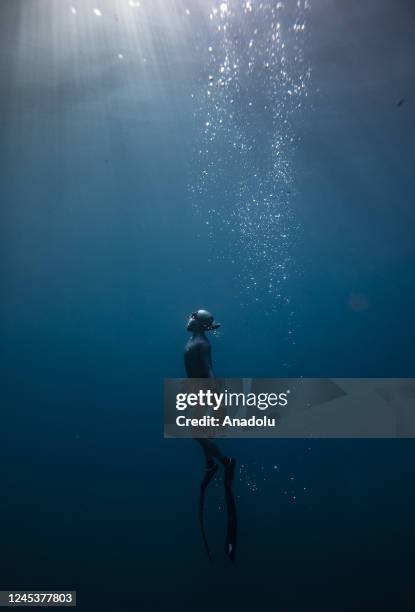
(197,358)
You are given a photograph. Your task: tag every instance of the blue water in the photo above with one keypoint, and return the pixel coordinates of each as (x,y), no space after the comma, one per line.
(121,212)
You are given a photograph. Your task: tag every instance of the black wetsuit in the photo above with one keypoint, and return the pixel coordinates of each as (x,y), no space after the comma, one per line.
(198,364)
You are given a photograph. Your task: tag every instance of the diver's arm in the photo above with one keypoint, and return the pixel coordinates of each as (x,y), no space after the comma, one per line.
(209,358)
(207,362)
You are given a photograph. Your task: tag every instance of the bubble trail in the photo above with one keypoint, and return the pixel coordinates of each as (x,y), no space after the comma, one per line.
(255,80)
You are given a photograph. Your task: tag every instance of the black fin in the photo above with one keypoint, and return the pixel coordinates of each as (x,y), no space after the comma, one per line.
(232,526)
(210,473)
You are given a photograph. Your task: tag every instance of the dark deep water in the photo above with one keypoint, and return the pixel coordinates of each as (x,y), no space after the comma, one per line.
(103,255)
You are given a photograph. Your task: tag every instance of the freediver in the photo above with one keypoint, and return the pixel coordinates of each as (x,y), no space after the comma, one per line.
(198,364)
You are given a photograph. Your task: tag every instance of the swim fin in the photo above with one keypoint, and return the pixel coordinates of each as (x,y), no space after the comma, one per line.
(232,526)
(210,473)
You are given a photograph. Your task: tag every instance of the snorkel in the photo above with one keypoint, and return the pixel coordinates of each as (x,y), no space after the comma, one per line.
(213,327)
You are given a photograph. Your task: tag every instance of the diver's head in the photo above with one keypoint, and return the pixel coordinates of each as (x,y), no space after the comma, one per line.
(201,321)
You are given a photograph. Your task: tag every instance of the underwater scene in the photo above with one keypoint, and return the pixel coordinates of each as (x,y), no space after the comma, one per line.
(159,158)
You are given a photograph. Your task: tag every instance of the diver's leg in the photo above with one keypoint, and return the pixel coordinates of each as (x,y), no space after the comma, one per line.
(212,452)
